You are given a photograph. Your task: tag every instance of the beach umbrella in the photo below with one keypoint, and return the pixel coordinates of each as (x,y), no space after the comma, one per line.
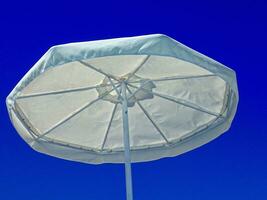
(123,100)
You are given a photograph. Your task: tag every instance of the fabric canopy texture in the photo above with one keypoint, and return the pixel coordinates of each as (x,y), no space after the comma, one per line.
(68,105)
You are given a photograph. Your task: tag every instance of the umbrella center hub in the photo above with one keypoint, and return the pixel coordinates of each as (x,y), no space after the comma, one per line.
(138,89)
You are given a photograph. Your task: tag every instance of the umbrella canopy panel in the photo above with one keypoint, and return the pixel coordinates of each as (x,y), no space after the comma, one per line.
(77,105)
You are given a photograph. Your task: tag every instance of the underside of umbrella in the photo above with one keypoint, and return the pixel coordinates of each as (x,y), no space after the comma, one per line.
(123,100)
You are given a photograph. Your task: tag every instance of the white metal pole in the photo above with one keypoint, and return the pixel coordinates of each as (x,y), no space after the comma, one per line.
(127,153)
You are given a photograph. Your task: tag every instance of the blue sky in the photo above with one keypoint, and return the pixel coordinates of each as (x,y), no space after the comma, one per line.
(234,166)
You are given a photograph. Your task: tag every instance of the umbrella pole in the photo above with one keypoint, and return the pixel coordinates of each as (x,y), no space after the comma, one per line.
(127,153)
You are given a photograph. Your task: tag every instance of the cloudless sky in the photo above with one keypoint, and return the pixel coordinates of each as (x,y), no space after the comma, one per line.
(232,167)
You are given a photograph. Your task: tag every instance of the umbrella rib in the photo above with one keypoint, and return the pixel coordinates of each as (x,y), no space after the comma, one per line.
(98,70)
(182,102)
(177,78)
(116,89)
(109,125)
(139,66)
(149,117)
(26,126)
(73,114)
(60,92)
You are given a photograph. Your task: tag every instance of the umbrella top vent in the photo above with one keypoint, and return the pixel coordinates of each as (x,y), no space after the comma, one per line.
(111,89)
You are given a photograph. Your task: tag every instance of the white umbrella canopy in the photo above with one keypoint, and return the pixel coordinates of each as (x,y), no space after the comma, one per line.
(123,100)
